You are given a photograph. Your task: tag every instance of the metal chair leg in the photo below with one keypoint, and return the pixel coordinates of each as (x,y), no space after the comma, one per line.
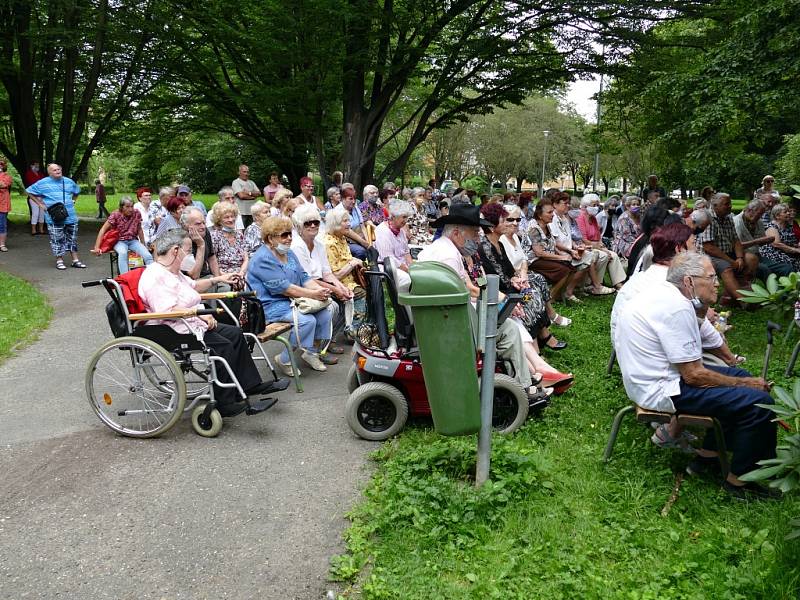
(722,449)
(290,350)
(611,360)
(612,439)
(793,360)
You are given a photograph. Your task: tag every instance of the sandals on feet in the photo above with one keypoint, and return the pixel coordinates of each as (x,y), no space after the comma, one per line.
(561,321)
(60,265)
(3,249)
(601,291)
(573,299)
(559,345)
(76,264)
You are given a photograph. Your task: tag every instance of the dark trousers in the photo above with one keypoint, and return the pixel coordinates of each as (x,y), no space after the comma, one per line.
(749,432)
(247,220)
(227,341)
(102,211)
(357,250)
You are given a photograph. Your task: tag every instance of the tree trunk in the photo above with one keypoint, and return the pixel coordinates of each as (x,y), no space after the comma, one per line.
(624,185)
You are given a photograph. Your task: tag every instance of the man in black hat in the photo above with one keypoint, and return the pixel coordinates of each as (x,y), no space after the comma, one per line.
(460,234)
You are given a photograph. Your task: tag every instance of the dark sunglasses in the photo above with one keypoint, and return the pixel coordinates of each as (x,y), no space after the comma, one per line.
(285,234)
(314,223)
(513,220)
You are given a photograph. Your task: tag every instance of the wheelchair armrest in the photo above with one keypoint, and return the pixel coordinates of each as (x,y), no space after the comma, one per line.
(511,301)
(175,314)
(223,295)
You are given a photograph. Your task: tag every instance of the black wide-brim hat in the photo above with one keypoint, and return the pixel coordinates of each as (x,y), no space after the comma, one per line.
(462,214)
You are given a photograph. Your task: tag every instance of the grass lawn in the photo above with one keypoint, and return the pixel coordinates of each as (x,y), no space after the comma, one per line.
(24,312)
(555,522)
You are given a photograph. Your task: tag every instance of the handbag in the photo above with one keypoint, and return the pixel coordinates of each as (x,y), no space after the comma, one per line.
(58,211)
(109,239)
(309,306)
(359,277)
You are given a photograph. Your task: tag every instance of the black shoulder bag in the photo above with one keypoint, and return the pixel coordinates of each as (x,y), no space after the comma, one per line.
(58,211)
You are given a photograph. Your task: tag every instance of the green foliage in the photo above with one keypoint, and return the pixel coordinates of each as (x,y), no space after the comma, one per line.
(578,529)
(24,311)
(778,293)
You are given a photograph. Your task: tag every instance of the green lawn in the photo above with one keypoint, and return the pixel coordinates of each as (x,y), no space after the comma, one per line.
(24,312)
(555,522)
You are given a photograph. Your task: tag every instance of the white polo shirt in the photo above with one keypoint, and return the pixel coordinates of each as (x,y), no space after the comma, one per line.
(314,262)
(656,331)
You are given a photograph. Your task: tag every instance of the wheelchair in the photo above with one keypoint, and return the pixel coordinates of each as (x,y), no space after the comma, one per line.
(141,382)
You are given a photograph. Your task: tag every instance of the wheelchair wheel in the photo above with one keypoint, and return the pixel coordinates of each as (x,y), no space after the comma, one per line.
(209,427)
(376,411)
(196,382)
(120,387)
(510,404)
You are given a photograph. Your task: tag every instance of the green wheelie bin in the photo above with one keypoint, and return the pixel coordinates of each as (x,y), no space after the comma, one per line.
(440,305)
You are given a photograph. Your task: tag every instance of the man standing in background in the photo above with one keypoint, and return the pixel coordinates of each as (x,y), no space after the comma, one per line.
(247,193)
(100,196)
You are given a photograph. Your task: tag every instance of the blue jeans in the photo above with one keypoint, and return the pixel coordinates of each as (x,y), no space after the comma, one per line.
(123,246)
(749,432)
(3,222)
(357,250)
(316,326)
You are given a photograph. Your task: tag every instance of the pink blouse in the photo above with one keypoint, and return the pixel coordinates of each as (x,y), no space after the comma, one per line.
(163,291)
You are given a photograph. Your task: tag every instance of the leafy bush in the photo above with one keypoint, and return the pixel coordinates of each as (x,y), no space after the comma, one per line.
(778,293)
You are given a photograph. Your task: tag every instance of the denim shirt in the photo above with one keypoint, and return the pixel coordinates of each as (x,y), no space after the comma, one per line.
(269,278)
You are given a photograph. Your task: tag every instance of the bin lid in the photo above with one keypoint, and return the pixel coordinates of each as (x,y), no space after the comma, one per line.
(434,284)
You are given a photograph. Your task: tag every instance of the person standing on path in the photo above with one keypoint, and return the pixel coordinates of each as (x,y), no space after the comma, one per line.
(247,193)
(5,203)
(52,190)
(100,196)
(35,208)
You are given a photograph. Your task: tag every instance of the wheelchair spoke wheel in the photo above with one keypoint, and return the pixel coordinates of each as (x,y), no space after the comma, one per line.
(135,387)
(194,377)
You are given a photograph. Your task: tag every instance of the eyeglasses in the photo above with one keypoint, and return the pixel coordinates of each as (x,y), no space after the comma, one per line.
(285,235)
(314,223)
(714,279)
(513,220)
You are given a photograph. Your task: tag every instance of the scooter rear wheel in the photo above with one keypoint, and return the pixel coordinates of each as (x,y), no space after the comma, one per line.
(509,404)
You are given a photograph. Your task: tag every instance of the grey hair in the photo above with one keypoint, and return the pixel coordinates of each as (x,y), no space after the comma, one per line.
(701,217)
(513,211)
(626,201)
(754,205)
(166,192)
(223,190)
(700,203)
(400,208)
(778,209)
(303,213)
(220,209)
(686,264)
(169,239)
(125,200)
(188,211)
(348,186)
(331,191)
(718,197)
(449,230)
(417,191)
(334,218)
(588,199)
(369,189)
(258,207)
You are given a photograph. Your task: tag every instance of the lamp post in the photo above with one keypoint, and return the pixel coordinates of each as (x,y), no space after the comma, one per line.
(544,164)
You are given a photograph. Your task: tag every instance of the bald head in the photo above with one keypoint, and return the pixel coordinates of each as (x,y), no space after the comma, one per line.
(54,170)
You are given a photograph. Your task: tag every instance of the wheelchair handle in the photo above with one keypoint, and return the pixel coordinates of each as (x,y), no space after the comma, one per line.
(176,314)
(92,283)
(223,295)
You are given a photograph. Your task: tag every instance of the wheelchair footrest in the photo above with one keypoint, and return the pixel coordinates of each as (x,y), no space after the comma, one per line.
(260,406)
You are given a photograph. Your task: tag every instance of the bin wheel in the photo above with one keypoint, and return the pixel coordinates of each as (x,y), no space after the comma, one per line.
(509,405)
(207,427)
(376,411)
(135,387)
(352,379)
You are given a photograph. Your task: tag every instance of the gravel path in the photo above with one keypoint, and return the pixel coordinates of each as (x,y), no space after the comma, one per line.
(84,513)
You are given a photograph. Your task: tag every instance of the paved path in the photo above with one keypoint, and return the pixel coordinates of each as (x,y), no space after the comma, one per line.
(84,513)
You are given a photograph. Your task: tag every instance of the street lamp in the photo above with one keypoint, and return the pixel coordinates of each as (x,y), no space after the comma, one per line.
(544,164)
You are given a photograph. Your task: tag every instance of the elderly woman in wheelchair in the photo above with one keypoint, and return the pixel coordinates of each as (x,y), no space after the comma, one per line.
(187,340)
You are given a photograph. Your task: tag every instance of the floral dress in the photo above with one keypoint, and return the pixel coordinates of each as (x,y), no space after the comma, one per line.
(534,305)
(372,212)
(625,233)
(230,256)
(252,238)
(770,252)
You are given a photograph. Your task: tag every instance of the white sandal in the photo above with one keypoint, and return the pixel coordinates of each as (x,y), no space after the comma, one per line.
(561,320)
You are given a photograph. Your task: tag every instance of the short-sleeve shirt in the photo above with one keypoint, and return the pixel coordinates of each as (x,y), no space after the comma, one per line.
(539,238)
(240,185)
(314,262)
(444,251)
(747,232)
(356,219)
(387,243)
(721,232)
(147,221)
(128,227)
(269,278)
(162,291)
(5,192)
(372,212)
(339,256)
(659,329)
(54,191)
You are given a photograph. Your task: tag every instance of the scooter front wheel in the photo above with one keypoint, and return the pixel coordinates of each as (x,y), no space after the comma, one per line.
(376,411)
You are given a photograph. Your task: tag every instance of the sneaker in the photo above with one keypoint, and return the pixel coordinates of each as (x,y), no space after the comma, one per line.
(313,361)
(285,367)
(751,491)
(683,442)
(704,466)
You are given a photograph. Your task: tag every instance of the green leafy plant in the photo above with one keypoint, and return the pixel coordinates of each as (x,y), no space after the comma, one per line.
(783,471)
(779,293)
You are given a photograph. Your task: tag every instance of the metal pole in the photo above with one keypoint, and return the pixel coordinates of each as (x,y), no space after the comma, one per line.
(544,163)
(597,146)
(487,381)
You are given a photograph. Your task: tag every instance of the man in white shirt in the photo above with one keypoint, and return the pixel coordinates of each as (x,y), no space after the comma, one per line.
(660,356)
(247,193)
(460,238)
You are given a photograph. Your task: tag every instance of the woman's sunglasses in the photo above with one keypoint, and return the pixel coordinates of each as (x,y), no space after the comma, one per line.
(314,223)
(285,235)
(513,220)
